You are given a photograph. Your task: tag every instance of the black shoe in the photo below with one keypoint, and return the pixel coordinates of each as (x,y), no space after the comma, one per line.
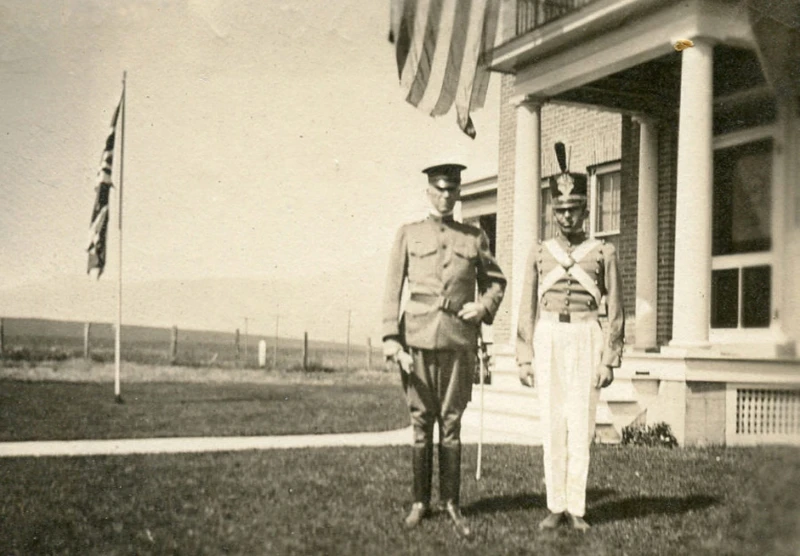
(419,511)
(551,521)
(578,523)
(459,521)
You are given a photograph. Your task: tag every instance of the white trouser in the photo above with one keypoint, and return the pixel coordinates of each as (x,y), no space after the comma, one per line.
(565,361)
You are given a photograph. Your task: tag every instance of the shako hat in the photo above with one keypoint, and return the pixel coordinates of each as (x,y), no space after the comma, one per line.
(444,176)
(568,188)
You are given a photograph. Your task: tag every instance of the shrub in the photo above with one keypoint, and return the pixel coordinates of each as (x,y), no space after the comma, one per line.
(658,434)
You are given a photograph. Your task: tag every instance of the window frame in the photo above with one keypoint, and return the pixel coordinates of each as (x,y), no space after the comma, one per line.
(594,197)
(740,261)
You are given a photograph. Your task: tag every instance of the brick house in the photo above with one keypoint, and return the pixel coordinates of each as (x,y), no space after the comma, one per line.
(695,155)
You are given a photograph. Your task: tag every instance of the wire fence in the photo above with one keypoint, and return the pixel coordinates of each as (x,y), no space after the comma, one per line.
(35,340)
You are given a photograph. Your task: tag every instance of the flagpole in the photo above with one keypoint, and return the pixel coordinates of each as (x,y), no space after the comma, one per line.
(117,336)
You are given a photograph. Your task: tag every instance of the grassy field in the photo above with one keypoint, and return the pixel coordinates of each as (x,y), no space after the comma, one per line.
(352,501)
(75,400)
(343,500)
(39,340)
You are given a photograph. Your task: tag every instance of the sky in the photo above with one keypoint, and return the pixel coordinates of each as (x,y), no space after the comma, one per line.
(262,139)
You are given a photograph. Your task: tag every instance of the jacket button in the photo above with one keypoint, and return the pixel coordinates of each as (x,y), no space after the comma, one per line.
(566,302)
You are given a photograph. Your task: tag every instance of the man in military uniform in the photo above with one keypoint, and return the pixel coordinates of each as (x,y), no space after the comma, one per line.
(567,278)
(434,342)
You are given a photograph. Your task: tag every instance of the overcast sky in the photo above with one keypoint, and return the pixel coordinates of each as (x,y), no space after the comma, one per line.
(262,138)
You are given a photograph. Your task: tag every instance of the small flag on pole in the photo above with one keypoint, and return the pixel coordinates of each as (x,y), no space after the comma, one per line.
(442,49)
(99,223)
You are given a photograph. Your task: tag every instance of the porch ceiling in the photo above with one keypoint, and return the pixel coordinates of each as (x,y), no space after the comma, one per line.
(653,87)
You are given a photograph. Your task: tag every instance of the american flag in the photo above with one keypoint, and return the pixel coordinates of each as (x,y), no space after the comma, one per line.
(99,223)
(442,48)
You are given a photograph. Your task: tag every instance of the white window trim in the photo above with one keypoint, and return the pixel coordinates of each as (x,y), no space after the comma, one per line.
(600,169)
(771,335)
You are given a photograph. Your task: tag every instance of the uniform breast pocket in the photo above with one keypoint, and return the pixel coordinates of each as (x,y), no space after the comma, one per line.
(465,255)
(421,260)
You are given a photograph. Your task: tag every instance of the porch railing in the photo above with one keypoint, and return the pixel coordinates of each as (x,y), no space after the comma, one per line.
(532,14)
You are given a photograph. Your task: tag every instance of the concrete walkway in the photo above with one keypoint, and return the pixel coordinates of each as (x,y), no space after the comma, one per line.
(496,431)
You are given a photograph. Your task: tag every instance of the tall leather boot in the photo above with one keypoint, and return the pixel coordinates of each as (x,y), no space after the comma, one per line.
(450,487)
(422,466)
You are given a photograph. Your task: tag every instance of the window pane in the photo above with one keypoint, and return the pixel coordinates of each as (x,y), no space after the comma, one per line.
(488,223)
(608,202)
(742,198)
(725,298)
(756,296)
(548,222)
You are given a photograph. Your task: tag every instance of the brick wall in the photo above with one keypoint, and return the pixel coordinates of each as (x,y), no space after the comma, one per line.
(591,136)
(667,180)
(626,241)
(505,201)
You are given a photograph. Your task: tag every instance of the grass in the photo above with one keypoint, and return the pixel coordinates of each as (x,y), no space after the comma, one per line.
(343,500)
(41,340)
(277,405)
(351,501)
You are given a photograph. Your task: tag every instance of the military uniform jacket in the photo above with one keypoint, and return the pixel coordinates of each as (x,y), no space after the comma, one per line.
(598,261)
(442,261)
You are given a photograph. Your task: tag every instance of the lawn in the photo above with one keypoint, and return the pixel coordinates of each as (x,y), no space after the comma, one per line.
(352,500)
(343,500)
(47,410)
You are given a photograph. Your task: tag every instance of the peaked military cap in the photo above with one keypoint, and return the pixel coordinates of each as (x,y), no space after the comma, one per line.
(568,188)
(444,176)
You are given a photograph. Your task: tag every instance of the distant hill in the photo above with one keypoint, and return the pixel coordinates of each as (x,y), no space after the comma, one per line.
(318,303)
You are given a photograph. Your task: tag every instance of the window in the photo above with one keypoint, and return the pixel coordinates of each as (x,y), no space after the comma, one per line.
(605,199)
(488,223)
(741,277)
(608,203)
(742,200)
(548,221)
(740,297)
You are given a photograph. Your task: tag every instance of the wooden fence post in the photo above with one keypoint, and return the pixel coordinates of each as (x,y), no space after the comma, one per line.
(238,349)
(305,351)
(369,354)
(173,346)
(262,353)
(87,334)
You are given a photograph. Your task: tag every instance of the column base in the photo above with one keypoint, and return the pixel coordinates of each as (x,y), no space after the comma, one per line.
(642,349)
(686,349)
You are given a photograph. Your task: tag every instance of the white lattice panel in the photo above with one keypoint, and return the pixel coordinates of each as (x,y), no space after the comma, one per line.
(766,415)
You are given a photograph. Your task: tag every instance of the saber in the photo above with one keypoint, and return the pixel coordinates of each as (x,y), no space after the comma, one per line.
(483,357)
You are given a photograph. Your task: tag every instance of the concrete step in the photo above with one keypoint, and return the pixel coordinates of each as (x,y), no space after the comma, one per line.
(499,428)
(620,391)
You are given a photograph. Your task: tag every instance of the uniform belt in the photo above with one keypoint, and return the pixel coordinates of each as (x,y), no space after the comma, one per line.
(578,316)
(438,301)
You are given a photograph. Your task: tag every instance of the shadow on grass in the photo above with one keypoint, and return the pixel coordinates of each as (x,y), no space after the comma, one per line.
(631,508)
(525,501)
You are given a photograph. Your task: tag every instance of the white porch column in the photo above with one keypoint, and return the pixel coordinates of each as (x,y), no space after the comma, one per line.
(691,304)
(527,184)
(647,235)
